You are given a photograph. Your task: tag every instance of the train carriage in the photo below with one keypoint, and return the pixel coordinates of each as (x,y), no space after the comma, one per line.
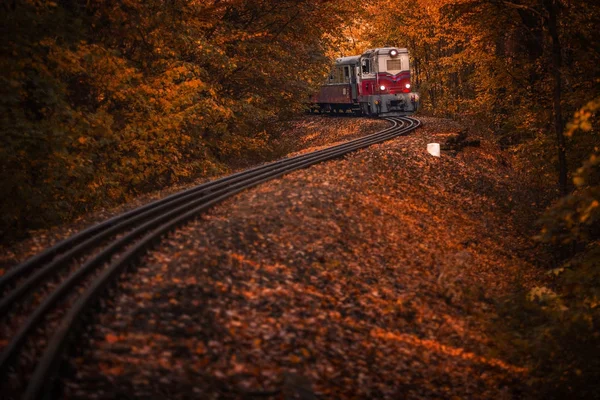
(375,83)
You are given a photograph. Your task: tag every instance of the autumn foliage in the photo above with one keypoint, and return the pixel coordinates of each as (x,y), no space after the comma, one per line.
(563,323)
(103,100)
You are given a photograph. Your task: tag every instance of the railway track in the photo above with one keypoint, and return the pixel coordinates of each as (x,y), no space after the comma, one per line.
(45,299)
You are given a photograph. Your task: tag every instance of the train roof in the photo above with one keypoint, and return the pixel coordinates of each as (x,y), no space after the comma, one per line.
(384,50)
(347,60)
(353,60)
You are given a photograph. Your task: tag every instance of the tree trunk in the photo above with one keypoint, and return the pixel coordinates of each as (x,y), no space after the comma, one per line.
(553,10)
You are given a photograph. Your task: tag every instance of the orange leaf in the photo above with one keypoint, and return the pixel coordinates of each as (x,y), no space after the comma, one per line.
(200,348)
(115,371)
(295,359)
(110,338)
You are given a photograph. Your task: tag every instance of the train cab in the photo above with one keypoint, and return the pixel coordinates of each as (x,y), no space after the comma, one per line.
(385,87)
(376,83)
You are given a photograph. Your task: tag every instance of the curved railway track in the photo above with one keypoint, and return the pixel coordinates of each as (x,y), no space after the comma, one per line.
(45,298)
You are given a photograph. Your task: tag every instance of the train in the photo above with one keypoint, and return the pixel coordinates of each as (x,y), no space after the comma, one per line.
(375,83)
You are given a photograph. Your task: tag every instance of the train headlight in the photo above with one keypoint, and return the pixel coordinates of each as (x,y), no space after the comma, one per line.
(382,87)
(407,86)
(393,53)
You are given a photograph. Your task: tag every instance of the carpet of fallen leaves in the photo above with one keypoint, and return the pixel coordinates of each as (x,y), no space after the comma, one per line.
(370,276)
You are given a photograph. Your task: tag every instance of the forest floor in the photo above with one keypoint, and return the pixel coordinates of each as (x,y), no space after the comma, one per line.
(371,276)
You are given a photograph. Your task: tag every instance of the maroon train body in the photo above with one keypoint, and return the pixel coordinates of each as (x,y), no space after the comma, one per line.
(375,83)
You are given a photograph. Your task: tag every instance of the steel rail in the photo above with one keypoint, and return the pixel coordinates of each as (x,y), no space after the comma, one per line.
(79,243)
(229,186)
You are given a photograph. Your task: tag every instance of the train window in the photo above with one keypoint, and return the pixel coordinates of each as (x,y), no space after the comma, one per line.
(346,74)
(394,65)
(366,68)
(337,75)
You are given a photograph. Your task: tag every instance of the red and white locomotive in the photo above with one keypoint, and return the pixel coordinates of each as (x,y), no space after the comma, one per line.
(374,83)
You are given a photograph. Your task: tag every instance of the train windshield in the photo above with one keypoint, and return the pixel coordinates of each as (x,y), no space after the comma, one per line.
(395,65)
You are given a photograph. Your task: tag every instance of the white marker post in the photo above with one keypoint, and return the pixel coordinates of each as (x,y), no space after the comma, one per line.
(433,149)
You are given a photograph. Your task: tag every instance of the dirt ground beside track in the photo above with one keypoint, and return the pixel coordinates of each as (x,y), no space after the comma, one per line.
(371,276)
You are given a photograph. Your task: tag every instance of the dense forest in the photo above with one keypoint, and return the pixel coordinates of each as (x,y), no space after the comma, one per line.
(102,100)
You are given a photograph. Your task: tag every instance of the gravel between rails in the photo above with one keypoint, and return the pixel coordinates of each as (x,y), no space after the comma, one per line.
(372,276)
